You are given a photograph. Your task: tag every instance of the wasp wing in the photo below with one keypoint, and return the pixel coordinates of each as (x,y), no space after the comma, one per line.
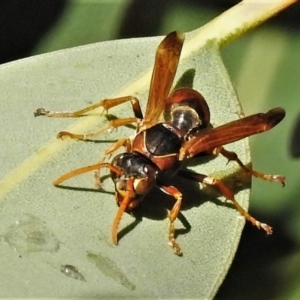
(209,139)
(165,66)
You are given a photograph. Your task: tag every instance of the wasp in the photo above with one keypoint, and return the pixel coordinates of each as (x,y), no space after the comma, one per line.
(159,147)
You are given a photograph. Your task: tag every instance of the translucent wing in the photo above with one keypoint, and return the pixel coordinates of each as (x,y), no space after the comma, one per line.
(208,140)
(166,62)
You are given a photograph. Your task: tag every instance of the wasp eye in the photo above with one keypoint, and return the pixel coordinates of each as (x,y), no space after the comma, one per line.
(141,186)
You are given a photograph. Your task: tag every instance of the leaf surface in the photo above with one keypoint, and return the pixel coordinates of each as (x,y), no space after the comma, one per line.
(81,219)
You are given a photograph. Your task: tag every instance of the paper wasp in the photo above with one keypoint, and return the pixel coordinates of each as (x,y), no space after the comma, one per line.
(158,148)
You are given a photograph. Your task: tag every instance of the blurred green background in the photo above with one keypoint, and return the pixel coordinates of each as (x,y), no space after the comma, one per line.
(264,67)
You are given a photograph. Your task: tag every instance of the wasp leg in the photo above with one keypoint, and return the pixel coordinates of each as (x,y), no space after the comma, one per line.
(171,190)
(97,176)
(112,124)
(106,104)
(232,156)
(125,142)
(228,194)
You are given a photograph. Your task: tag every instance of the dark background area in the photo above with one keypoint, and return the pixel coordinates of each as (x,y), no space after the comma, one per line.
(263,268)
(23,24)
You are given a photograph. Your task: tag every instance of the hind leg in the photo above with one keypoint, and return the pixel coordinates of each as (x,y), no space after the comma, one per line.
(232,156)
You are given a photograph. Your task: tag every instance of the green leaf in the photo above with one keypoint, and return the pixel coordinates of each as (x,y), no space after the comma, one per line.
(142,264)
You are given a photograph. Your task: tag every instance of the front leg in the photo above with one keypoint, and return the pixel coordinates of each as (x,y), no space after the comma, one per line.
(124,142)
(171,190)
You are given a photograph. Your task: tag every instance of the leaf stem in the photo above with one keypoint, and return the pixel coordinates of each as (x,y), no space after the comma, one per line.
(237,20)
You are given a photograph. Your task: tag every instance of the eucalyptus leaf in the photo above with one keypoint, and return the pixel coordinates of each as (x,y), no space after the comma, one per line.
(80,218)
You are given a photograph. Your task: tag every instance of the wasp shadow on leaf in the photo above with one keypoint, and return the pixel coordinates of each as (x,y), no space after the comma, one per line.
(156,204)
(100,141)
(84,189)
(186,80)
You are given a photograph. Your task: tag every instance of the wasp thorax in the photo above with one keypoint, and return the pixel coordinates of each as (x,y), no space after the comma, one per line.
(184,118)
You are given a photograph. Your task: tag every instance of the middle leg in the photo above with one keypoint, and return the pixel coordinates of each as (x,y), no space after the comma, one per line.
(112,124)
